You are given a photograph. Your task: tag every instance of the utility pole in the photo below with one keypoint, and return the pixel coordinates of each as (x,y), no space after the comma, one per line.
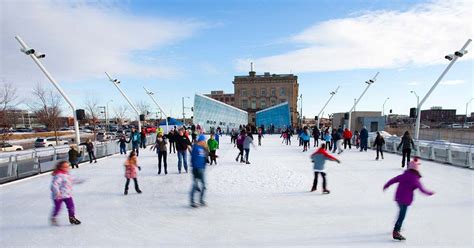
(369,83)
(149,93)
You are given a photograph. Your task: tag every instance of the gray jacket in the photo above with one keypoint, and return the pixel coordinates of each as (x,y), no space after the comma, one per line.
(248,140)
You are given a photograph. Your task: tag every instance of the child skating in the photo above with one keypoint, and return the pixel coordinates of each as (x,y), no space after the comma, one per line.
(213,146)
(319,159)
(131,166)
(61,191)
(408,182)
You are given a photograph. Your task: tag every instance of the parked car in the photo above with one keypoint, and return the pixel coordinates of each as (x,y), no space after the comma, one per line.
(458,126)
(7,147)
(103,136)
(24,130)
(49,142)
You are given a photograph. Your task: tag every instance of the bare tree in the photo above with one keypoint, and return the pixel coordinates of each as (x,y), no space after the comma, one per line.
(120,114)
(92,112)
(47,108)
(8,98)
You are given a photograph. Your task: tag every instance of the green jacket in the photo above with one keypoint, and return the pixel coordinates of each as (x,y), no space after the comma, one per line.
(212,144)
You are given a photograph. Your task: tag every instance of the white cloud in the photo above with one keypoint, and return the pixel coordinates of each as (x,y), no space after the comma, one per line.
(453,82)
(381,39)
(83,40)
(414,83)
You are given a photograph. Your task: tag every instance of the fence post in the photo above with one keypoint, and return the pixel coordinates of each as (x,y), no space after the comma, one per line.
(449,157)
(432,153)
(10,166)
(15,166)
(469,159)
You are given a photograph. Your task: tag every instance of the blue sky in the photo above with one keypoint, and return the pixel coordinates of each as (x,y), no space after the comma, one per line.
(177,48)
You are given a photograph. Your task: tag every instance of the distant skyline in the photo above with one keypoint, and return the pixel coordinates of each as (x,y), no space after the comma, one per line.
(178,48)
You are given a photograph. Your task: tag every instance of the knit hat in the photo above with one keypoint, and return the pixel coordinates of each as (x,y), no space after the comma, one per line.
(414,164)
(201,138)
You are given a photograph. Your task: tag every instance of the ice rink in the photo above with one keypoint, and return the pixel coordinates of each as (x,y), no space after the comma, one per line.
(265,204)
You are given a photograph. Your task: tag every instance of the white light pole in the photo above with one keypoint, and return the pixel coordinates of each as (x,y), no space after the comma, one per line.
(417,97)
(149,93)
(36,56)
(465,118)
(327,102)
(184,118)
(383,106)
(369,83)
(116,82)
(452,58)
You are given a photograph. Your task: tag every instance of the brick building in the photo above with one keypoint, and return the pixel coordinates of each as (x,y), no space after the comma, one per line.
(437,115)
(256,92)
(219,95)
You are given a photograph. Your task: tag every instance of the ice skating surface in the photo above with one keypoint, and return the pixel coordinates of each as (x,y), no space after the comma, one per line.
(265,204)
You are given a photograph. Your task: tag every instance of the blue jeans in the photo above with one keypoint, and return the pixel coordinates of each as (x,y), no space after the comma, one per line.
(198,175)
(123,150)
(182,159)
(247,151)
(135,145)
(401,217)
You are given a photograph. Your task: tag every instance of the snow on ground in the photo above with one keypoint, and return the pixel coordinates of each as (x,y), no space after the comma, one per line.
(265,204)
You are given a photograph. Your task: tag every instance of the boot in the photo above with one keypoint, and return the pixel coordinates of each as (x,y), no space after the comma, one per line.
(313,189)
(396,235)
(54,222)
(325,191)
(74,221)
(125,192)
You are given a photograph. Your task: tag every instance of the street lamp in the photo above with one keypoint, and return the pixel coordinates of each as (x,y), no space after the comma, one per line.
(417,97)
(320,112)
(369,83)
(116,82)
(452,58)
(184,118)
(301,110)
(465,118)
(36,56)
(383,106)
(149,93)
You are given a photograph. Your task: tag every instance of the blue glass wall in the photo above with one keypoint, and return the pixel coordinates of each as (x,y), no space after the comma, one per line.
(210,113)
(278,115)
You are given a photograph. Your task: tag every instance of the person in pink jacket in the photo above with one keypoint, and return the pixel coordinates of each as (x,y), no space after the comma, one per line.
(61,191)
(131,166)
(408,182)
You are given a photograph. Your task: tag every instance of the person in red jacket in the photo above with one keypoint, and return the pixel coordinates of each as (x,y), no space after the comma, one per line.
(347,135)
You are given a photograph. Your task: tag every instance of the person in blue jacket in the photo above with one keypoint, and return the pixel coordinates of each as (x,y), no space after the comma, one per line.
(135,138)
(304,136)
(199,156)
(364,138)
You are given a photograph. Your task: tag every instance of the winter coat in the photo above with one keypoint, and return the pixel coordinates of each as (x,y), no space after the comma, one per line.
(406,142)
(143,135)
(131,168)
(408,182)
(74,156)
(248,140)
(347,134)
(327,137)
(304,136)
(240,139)
(122,141)
(61,185)
(319,159)
(135,137)
(379,141)
(364,134)
(315,133)
(336,136)
(199,156)
(216,137)
(212,144)
(160,145)
(182,143)
(90,147)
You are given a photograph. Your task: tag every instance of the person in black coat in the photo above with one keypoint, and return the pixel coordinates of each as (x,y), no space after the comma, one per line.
(90,151)
(364,139)
(316,136)
(172,140)
(378,144)
(406,144)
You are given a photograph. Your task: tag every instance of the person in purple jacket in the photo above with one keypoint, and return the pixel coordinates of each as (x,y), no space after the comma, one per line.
(408,182)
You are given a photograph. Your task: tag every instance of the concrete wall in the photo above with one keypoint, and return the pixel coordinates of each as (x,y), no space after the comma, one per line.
(462,136)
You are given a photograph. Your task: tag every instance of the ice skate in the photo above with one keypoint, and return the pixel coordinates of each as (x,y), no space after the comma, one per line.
(396,235)
(74,221)
(125,192)
(54,222)
(194,205)
(325,191)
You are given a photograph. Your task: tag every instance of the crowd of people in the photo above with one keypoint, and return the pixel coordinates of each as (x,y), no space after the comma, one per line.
(203,151)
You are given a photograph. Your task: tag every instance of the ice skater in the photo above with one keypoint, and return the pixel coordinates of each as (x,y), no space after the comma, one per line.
(319,159)
(406,143)
(90,151)
(131,166)
(408,182)
(364,139)
(199,155)
(123,144)
(61,191)
(74,156)
(304,137)
(161,151)
(260,136)
(378,144)
(247,142)
(240,146)
(135,138)
(213,145)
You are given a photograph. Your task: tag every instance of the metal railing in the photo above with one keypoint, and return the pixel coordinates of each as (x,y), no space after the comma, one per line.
(36,161)
(451,153)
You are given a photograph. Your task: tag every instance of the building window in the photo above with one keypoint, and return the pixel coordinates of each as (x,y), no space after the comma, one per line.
(282,100)
(273,92)
(263,103)
(263,92)
(254,92)
(273,102)
(244,92)
(254,104)
(245,104)
(282,92)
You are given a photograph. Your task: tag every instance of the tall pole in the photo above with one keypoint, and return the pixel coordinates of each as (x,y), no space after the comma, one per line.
(418,109)
(326,104)
(465,118)
(383,106)
(53,81)
(369,83)
(107,126)
(183,111)
(301,110)
(149,93)
(116,82)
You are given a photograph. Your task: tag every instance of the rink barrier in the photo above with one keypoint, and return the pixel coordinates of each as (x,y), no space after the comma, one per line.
(451,154)
(37,161)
